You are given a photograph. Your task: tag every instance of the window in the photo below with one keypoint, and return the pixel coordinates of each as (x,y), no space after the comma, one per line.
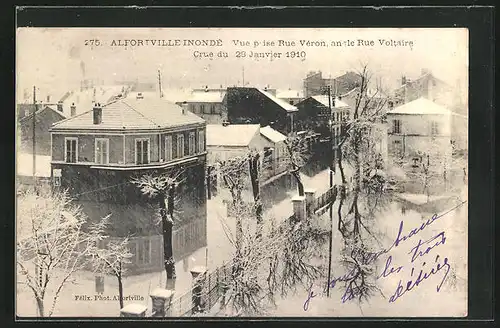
(141,151)
(396,126)
(206,109)
(192,108)
(71,150)
(192,143)
(101,151)
(202,109)
(213,109)
(144,251)
(168,148)
(434,128)
(180,145)
(201,141)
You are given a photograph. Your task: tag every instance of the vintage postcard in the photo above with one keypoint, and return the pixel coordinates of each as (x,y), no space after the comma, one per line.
(241,172)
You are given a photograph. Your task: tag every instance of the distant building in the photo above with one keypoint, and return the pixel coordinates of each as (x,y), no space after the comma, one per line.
(44,118)
(426,86)
(420,130)
(314,115)
(208,104)
(95,155)
(315,83)
(377,98)
(234,140)
(248,105)
(290,96)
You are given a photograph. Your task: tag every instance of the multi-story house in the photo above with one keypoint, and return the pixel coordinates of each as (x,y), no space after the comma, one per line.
(208,104)
(315,83)
(420,131)
(248,105)
(97,154)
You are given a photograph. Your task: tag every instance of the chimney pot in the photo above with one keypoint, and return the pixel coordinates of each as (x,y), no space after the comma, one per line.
(184,107)
(73,109)
(97,111)
(60,106)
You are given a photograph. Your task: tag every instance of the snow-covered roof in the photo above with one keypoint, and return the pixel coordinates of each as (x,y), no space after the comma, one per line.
(24,165)
(147,113)
(271,134)
(44,108)
(420,106)
(283,104)
(207,96)
(286,94)
(231,135)
(323,99)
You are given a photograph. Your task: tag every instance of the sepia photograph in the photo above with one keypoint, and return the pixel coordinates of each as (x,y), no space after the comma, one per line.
(241,172)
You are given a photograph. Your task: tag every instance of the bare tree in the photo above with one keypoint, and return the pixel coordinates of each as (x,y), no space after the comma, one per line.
(162,188)
(51,244)
(110,256)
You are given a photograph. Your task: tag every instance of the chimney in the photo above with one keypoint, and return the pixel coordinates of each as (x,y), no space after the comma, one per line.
(184,107)
(206,88)
(97,113)
(403,80)
(139,96)
(60,106)
(48,98)
(73,109)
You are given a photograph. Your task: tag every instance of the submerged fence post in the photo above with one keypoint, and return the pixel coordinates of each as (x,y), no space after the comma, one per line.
(161,300)
(199,275)
(310,198)
(299,207)
(133,310)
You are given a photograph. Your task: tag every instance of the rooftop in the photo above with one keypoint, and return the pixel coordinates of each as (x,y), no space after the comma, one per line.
(285,94)
(323,99)
(420,106)
(207,96)
(43,109)
(129,113)
(231,135)
(283,104)
(271,134)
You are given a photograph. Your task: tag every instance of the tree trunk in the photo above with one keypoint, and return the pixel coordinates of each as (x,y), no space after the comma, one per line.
(341,168)
(40,307)
(120,288)
(167,229)
(254,176)
(300,186)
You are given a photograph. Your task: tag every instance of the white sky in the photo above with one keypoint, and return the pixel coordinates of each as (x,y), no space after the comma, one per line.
(51,57)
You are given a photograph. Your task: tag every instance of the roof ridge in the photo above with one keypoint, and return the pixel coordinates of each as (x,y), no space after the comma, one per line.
(135,110)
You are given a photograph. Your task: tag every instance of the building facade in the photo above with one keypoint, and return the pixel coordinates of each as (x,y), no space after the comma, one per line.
(209,105)
(420,131)
(96,156)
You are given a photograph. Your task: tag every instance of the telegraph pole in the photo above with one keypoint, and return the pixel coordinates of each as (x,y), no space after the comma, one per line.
(331,186)
(243,73)
(34,136)
(159,84)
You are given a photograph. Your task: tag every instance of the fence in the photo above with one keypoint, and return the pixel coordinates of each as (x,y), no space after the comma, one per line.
(208,289)
(324,200)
